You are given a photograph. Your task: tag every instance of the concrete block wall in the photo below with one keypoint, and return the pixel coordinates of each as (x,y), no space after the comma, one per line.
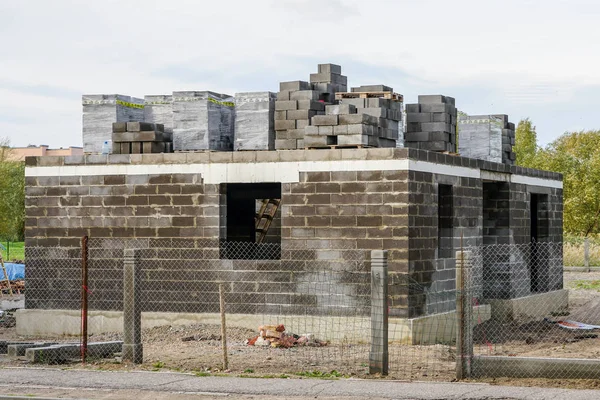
(332,200)
(99,113)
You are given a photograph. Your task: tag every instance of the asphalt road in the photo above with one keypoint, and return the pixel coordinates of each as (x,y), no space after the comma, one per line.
(39,383)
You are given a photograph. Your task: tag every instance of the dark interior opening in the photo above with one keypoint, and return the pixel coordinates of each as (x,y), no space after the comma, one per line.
(539,224)
(240,213)
(445,221)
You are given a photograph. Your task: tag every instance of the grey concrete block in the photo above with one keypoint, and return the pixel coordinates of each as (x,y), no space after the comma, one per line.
(281,105)
(324,120)
(354,140)
(311,130)
(139,126)
(254,121)
(328,78)
(281,114)
(325,130)
(437,108)
(416,136)
(143,136)
(374,103)
(340,130)
(394,115)
(330,69)
(119,127)
(19,349)
(436,126)
(358,103)
(294,85)
(291,134)
(338,109)
(414,108)
(305,95)
(284,95)
(64,352)
(358,119)
(375,112)
(283,125)
(302,123)
(419,117)
(285,144)
(301,114)
(310,105)
(359,129)
(372,88)
(432,99)
(319,141)
(441,117)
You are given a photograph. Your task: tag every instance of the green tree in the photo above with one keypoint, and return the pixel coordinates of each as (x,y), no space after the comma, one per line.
(577,156)
(12,195)
(526,147)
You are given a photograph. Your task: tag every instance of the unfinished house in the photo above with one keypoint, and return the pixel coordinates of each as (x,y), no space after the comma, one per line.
(418,204)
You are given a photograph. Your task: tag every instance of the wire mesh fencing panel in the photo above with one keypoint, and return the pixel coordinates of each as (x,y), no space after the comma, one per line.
(288,309)
(535,327)
(422,340)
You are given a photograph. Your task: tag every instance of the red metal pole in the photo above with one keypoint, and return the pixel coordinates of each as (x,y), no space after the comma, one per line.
(84,297)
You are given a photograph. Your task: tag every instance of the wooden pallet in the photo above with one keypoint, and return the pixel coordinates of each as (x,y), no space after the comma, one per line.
(369,95)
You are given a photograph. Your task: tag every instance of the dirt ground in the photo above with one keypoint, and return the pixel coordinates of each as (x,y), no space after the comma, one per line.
(197,348)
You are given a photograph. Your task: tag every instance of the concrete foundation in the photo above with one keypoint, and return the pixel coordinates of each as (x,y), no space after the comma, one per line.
(531,307)
(63,352)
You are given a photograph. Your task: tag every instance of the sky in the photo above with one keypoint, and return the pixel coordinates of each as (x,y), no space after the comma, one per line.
(534,59)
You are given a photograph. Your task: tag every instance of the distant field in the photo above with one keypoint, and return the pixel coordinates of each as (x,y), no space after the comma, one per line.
(16,251)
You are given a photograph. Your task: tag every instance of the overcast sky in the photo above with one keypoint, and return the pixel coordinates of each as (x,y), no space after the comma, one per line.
(525,58)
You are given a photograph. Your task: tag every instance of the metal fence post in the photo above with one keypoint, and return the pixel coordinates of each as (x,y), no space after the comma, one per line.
(84,297)
(132,316)
(378,356)
(464,316)
(586,254)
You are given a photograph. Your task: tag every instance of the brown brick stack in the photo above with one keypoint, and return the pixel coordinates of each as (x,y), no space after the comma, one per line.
(141,138)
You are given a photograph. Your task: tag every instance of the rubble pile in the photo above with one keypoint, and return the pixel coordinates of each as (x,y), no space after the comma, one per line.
(276,336)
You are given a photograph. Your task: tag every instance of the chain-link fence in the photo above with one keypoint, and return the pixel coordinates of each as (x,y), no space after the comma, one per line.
(506,310)
(536,328)
(286,309)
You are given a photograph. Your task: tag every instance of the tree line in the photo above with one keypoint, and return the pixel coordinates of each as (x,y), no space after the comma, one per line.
(12,196)
(576,155)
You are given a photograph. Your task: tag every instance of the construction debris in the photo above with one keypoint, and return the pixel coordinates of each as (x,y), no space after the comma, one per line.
(275,336)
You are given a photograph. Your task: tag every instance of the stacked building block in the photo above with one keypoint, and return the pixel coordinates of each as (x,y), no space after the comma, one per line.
(431,124)
(203,121)
(486,137)
(158,109)
(254,121)
(381,102)
(100,111)
(299,101)
(342,126)
(140,138)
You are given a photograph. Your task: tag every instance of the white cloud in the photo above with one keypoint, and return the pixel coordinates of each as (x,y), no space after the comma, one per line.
(525,52)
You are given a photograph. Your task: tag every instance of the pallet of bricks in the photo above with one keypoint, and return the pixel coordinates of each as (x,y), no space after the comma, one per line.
(508,141)
(141,138)
(431,124)
(299,101)
(369,116)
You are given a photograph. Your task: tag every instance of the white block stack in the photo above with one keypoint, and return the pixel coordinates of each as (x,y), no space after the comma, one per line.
(254,121)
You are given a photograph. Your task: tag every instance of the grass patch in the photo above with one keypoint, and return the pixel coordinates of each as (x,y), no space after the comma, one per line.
(586,285)
(14,251)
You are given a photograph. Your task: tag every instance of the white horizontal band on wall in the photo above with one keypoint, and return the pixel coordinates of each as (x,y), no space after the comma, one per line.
(284,172)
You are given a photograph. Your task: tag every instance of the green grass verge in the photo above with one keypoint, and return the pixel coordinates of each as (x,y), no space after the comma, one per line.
(14,251)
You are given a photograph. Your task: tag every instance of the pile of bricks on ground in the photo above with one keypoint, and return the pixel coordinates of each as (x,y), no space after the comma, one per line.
(431,124)
(487,137)
(276,336)
(140,138)
(299,101)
